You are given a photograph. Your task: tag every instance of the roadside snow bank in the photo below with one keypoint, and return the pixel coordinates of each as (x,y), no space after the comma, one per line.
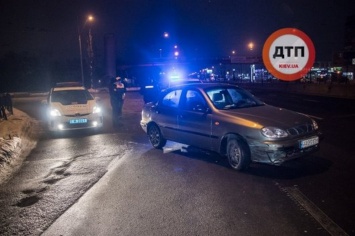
(17,139)
(8,147)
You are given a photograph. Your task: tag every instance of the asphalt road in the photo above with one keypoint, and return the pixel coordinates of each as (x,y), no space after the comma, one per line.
(113,182)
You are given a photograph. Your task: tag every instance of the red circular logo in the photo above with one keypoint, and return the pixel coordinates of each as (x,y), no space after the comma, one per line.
(288,54)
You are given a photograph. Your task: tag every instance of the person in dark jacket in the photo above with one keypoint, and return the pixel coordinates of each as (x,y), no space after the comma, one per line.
(8,103)
(117,95)
(2,107)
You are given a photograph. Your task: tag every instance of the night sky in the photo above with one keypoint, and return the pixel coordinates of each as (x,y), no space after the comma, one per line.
(204,28)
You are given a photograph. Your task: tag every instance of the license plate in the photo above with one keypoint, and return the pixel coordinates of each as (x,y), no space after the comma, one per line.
(78,121)
(309,142)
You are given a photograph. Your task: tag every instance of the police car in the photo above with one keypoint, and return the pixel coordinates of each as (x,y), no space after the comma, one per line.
(71,106)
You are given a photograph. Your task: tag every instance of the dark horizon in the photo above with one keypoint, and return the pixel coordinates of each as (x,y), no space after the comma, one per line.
(200,28)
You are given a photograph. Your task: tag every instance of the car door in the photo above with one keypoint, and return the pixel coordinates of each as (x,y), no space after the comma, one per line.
(194,120)
(166,113)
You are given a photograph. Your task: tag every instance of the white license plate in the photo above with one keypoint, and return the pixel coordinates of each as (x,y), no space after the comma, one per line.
(78,121)
(309,142)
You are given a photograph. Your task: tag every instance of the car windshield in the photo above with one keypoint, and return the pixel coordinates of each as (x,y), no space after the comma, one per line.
(68,97)
(232,98)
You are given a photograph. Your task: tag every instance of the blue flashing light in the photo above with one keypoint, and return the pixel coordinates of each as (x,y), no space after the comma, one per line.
(174,77)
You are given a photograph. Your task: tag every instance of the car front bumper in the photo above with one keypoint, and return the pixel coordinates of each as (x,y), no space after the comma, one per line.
(278,152)
(73,123)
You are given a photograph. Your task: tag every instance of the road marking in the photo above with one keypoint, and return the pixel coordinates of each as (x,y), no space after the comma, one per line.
(327,223)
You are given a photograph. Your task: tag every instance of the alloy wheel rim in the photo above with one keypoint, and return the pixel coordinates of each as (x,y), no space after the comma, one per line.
(236,154)
(154,136)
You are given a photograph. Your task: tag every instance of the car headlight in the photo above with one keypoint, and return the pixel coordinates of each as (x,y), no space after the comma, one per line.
(54,112)
(273,132)
(96,109)
(314,125)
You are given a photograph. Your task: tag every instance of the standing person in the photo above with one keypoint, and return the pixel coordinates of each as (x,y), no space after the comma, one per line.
(8,103)
(117,96)
(2,107)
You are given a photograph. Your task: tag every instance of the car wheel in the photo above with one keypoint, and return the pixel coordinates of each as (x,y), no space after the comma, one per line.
(155,137)
(238,154)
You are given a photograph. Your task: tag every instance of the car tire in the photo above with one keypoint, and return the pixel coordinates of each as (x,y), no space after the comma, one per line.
(155,137)
(238,154)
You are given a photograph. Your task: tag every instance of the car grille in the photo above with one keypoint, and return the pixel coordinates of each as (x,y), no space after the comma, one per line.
(77,115)
(300,129)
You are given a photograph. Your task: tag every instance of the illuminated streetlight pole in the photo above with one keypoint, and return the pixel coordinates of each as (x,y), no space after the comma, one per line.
(252,67)
(89,18)
(251,46)
(91,58)
(232,55)
(81,60)
(232,58)
(176,54)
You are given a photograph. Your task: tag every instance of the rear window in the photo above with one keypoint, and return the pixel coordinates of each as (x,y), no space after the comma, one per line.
(172,99)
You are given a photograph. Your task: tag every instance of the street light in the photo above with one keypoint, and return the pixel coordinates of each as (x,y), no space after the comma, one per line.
(88,19)
(232,55)
(251,46)
(252,66)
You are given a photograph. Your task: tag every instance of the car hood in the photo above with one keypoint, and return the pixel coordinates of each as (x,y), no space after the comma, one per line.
(267,115)
(74,109)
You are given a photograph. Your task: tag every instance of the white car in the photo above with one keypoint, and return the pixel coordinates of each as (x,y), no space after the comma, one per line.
(71,106)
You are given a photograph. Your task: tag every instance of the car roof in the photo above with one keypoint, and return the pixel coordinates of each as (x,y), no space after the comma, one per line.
(68,86)
(185,81)
(203,85)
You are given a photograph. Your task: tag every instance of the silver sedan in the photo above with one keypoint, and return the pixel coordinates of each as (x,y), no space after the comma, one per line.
(230,121)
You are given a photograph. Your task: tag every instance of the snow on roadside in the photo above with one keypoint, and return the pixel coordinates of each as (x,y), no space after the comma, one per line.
(17,139)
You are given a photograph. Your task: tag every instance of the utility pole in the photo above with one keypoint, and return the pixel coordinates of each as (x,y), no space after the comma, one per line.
(91,58)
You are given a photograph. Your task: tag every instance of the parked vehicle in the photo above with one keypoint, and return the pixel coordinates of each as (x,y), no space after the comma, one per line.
(230,121)
(71,106)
